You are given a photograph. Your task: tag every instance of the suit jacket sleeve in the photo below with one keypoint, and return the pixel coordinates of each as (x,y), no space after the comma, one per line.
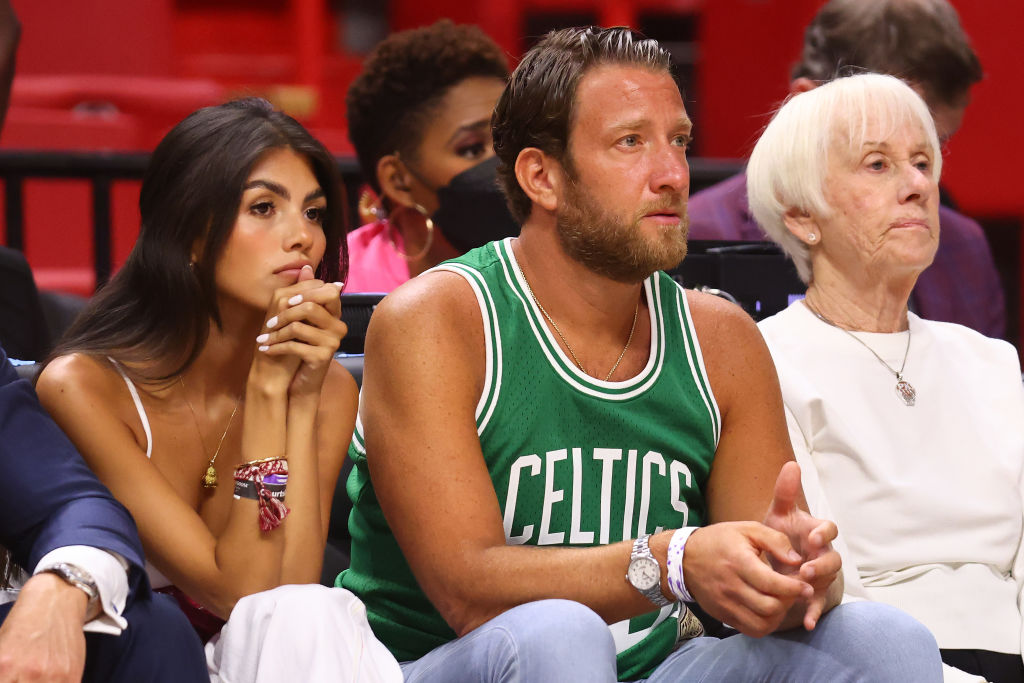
(49,497)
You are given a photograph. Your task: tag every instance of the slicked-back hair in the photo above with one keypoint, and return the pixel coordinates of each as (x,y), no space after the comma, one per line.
(156,311)
(921,41)
(788,168)
(537,107)
(404,79)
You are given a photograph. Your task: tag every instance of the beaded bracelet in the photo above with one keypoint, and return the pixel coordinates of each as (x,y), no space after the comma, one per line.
(265,480)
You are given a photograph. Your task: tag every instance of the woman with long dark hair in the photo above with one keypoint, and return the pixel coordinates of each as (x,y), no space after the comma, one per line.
(199,384)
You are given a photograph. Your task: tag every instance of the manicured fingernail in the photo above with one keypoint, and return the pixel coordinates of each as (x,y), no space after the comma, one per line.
(272,323)
(263,339)
(295,300)
(794,556)
(339,285)
(810,573)
(308,266)
(262,348)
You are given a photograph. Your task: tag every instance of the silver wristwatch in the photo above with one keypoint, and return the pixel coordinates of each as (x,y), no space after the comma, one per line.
(644,572)
(77,577)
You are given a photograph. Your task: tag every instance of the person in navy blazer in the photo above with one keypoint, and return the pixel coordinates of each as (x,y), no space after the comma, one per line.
(49,500)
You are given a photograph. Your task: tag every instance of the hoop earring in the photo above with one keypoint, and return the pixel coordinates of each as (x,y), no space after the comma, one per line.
(430,235)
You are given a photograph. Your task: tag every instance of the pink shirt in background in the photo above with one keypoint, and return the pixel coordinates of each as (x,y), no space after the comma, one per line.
(374,263)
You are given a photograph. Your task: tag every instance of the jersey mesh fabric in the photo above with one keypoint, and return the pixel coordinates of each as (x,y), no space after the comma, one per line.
(574,460)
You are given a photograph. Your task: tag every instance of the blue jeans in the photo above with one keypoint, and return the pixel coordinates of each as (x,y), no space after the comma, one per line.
(559,640)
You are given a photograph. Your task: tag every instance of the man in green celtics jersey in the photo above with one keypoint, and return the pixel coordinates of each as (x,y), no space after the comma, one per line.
(558,447)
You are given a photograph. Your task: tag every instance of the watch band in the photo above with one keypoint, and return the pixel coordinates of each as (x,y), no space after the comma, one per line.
(641,549)
(77,577)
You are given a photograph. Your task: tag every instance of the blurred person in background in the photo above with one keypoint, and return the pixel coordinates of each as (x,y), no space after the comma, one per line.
(922,42)
(419,117)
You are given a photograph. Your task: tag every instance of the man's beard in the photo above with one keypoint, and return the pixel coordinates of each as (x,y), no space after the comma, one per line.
(617,250)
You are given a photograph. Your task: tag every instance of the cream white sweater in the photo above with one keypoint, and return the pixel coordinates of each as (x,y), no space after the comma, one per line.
(929,499)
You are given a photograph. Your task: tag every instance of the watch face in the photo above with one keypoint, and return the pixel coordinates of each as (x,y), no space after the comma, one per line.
(644,573)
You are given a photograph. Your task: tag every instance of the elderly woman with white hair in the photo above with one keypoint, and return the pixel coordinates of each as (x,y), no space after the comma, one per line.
(909,432)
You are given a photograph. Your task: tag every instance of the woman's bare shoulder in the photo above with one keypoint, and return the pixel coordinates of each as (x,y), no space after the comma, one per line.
(78,375)
(86,390)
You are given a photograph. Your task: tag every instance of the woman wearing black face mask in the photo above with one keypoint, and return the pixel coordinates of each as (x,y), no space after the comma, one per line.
(419,117)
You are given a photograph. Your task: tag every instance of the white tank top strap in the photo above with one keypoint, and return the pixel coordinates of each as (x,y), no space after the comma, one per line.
(138,405)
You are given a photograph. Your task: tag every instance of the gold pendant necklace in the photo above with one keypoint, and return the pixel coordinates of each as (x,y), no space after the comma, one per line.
(904,390)
(629,340)
(210,477)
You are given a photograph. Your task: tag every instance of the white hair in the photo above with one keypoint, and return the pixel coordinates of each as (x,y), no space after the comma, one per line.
(789,165)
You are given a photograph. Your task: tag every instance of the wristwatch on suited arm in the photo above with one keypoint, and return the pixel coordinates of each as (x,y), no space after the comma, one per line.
(644,572)
(80,579)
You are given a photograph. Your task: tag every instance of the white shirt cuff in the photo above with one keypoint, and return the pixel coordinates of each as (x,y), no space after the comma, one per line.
(110,572)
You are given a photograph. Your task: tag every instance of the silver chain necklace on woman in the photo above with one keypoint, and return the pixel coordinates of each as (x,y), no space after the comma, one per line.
(904,389)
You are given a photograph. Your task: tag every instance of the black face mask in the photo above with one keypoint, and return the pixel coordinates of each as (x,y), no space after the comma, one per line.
(472,209)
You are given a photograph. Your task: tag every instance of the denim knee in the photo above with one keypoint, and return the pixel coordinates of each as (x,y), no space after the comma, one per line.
(895,646)
(562,623)
(557,640)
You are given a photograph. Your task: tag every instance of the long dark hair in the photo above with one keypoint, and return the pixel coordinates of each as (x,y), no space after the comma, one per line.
(159,305)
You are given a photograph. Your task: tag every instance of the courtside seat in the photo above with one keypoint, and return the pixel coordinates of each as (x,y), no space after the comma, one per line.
(90,111)
(27,370)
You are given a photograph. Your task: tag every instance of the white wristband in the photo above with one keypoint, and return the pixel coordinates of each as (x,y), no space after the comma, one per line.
(676,547)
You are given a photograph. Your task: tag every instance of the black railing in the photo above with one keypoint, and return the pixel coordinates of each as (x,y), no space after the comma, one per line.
(102,169)
(99,169)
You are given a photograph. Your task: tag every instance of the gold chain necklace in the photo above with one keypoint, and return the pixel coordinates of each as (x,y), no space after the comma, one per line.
(904,390)
(629,340)
(210,478)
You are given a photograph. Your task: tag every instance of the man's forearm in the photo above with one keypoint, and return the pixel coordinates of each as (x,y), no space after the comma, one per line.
(42,637)
(108,571)
(507,576)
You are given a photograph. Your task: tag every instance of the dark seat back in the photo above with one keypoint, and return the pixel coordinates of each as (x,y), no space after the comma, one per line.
(27,370)
(23,331)
(356,310)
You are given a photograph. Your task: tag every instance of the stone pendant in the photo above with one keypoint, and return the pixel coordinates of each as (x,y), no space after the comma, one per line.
(210,478)
(906,392)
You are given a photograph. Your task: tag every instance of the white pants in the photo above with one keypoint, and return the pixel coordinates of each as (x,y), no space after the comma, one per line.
(299,633)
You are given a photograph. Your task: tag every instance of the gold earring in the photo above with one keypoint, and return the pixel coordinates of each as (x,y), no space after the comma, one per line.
(370,207)
(430,235)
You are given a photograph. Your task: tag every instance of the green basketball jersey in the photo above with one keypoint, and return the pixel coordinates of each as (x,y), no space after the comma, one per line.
(575,461)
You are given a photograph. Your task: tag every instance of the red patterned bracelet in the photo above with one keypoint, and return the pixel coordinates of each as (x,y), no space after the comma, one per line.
(272,510)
